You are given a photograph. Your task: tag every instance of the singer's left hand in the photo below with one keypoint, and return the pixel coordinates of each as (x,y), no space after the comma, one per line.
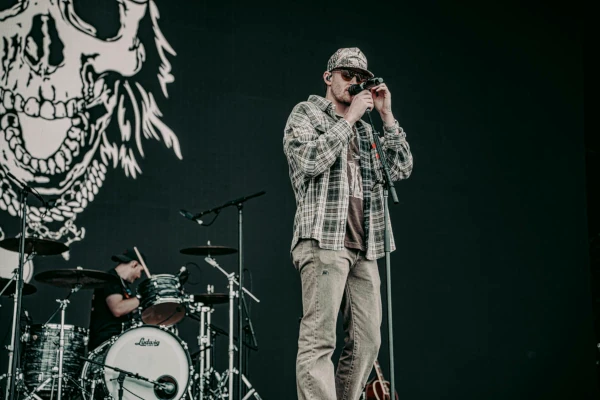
(382,100)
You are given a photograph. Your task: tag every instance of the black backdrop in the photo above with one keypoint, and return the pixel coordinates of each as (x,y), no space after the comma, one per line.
(491,287)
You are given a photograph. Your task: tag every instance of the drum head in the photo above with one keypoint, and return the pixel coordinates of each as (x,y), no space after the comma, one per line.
(152,353)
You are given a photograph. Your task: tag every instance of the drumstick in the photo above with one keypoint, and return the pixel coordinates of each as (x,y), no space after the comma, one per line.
(142,261)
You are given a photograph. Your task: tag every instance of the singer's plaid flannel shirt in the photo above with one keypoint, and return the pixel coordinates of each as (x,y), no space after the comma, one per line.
(315,143)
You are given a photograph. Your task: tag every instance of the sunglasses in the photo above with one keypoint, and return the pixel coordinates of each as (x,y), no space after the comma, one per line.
(347,75)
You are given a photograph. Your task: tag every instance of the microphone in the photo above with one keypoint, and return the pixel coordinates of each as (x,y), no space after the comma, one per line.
(190,216)
(368,84)
(27,188)
(168,387)
(183,275)
(163,389)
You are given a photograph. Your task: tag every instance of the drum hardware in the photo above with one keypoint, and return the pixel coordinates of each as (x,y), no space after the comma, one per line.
(107,369)
(231,349)
(75,279)
(60,376)
(163,387)
(23,245)
(206,337)
(239,204)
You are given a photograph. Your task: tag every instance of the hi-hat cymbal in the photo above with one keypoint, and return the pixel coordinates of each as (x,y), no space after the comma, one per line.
(10,290)
(69,278)
(39,246)
(208,250)
(210,298)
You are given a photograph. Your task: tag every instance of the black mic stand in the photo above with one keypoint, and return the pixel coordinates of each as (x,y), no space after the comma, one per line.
(123,374)
(120,381)
(239,203)
(388,186)
(248,331)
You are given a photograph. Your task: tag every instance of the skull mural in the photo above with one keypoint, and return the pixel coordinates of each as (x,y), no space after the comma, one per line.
(72,102)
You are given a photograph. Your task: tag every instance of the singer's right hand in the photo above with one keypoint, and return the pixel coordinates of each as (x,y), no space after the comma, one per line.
(360,103)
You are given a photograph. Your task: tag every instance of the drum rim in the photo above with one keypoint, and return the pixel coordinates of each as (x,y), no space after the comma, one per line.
(57,326)
(162,300)
(155,276)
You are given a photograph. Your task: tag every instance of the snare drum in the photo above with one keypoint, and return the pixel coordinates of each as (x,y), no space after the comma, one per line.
(148,350)
(161,300)
(41,356)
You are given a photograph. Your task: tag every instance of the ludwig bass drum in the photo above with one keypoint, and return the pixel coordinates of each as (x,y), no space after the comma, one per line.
(149,351)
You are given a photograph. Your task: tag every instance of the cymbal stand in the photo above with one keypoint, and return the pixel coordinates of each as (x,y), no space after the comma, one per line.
(18,299)
(232,295)
(204,345)
(61,342)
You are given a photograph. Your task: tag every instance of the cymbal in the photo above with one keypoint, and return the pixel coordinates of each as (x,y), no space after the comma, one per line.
(68,278)
(208,250)
(10,290)
(210,298)
(39,246)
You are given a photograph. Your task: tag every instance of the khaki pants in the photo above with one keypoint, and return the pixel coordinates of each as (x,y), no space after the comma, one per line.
(334,280)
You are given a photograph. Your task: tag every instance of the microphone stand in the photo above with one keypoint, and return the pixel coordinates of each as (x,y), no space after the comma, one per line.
(388,186)
(120,381)
(239,203)
(123,374)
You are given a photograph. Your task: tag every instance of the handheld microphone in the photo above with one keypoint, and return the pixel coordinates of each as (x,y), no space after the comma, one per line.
(190,216)
(368,84)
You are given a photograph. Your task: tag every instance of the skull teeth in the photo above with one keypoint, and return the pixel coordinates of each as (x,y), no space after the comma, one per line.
(59,162)
(46,109)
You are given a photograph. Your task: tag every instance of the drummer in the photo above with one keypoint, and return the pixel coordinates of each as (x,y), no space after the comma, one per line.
(115,303)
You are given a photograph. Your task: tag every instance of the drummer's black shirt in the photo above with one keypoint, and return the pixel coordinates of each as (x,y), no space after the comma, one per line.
(103,324)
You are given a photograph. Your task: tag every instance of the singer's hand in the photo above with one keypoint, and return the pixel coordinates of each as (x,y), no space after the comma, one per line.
(382,99)
(359,105)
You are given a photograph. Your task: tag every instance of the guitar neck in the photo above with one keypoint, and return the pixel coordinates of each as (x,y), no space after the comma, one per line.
(378,370)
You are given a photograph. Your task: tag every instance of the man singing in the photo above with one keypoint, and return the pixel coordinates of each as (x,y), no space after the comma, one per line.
(339,224)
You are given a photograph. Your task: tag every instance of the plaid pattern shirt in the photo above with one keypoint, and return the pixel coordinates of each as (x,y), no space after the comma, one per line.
(315,143)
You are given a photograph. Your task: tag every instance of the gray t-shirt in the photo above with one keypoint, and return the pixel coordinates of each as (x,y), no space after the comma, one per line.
(355,236)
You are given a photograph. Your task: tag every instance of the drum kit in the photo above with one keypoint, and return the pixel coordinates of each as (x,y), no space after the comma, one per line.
(147,360)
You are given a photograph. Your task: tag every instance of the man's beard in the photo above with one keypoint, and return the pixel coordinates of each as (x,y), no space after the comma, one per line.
(341,97)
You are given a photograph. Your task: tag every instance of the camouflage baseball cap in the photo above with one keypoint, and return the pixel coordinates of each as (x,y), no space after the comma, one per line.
(350,58)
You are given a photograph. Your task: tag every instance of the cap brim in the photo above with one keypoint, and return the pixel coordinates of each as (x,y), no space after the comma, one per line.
(362,71)
(121,258)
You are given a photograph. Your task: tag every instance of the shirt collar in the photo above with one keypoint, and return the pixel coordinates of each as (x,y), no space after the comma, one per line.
(324,105)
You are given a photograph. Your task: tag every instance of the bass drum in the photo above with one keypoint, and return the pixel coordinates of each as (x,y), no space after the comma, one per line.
(149,351)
